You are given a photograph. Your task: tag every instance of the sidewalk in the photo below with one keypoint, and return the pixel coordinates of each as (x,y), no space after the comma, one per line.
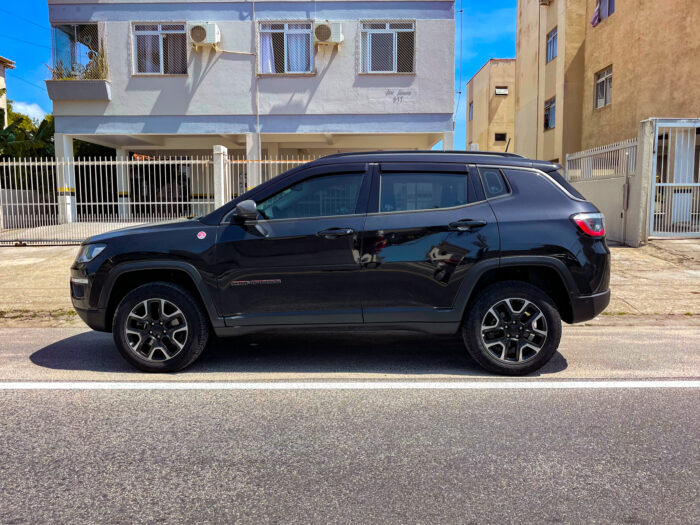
(660,280)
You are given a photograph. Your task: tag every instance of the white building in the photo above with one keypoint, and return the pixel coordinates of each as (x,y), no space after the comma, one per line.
(127,75)
(4,64)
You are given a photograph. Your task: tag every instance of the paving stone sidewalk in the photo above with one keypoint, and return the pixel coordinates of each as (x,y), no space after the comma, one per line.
(661,279)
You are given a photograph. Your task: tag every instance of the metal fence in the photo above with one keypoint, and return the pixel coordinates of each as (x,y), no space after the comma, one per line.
(605,162)
(65,201)
(675,191)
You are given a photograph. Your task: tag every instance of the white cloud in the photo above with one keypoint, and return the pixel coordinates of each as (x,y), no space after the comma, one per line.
(33,111)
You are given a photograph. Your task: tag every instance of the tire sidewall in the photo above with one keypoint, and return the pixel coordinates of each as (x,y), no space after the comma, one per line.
(471,327)
(193,315)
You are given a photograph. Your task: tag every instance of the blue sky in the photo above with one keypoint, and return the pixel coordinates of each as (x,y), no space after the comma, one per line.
(488,32)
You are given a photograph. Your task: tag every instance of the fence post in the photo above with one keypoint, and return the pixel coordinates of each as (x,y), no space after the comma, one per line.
(637,217)
(220,162)
(124,197)
(252,146)
(68,210)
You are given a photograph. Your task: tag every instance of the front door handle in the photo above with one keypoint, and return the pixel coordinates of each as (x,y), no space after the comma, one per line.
(334,233)
(466,225)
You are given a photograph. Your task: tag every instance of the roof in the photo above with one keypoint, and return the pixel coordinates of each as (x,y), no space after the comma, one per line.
(7,63)
(487,63)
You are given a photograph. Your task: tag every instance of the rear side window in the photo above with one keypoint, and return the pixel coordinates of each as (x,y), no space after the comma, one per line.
(421,191)
(559,178)
(494,182)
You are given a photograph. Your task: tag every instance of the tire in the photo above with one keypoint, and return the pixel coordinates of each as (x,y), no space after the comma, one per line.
(160,327)
(504,331)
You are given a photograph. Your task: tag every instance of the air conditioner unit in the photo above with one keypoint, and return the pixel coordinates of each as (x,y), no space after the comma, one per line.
(204,33)
(328,32)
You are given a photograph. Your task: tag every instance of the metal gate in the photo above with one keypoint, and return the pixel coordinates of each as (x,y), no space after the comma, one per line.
(675,188)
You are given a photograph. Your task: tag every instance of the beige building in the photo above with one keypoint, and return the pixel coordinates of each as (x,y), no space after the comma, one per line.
(491,106)
(4,64)
(587,72)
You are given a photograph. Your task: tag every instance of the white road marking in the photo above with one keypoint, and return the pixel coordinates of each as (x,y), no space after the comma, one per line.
(351,385)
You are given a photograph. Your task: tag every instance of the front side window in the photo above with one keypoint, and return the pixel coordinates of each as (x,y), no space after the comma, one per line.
(421,191)
(286,48)
(318,197)
(160,49)
(550,113)
(388,47)
(552,45)
(603,88)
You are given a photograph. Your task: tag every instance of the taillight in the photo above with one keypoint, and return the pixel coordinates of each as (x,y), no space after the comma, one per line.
(592,224)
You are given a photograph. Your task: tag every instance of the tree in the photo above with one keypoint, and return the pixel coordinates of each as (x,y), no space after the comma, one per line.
(26,138)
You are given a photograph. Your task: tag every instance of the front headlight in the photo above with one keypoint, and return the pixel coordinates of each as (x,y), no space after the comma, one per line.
(88,252)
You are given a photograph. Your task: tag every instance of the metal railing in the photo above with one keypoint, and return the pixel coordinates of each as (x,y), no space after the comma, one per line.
(65,201)
(605,162)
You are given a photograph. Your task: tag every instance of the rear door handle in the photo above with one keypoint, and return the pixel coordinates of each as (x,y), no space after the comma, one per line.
(334,233)
(466,225)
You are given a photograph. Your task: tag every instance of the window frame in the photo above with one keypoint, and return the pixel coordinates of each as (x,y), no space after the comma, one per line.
(606,5)
(549,105)
(604,76)
(505,136)
(501,88)
(286,31)
(160,32)
(387,30)
(552,44)
(471,111)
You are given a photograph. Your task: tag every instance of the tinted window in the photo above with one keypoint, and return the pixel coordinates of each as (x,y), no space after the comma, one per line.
(422,191)
(318,197)
(494,183)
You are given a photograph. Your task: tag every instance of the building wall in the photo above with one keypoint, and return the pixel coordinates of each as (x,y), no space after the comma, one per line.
(653,48)
(492,113)
(220,88)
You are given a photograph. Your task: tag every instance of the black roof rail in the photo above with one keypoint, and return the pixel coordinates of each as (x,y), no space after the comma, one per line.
(426,152)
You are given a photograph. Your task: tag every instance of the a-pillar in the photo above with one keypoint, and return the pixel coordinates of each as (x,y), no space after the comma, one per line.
(123,184)
(252,149)
(65,178)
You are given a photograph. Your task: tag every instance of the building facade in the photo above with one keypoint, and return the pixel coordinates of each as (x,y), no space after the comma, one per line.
(5,64)
(491,107)
(129,76)
(588,71)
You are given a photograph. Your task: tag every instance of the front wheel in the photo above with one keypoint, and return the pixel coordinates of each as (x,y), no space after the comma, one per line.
(160,327)
(513,328)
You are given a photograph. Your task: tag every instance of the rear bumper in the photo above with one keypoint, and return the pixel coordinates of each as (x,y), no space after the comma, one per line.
(586,307)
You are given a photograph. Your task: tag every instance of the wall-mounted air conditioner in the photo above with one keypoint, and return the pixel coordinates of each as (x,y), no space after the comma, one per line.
(326,32)
(204,33)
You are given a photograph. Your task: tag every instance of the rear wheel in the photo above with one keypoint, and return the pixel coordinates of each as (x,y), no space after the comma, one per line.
(513,328)
(160,327)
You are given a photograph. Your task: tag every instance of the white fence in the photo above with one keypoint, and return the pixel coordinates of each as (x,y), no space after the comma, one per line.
(65,201)
(614,160)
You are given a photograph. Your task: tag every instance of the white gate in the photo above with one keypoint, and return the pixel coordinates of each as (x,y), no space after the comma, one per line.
(675,188)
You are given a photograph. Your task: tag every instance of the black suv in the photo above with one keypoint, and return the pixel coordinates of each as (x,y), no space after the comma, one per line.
(494,247)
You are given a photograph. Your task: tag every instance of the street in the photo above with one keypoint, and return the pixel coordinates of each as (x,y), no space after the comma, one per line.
(352,428)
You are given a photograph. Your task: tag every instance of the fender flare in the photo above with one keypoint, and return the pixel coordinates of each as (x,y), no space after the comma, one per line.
(136,266)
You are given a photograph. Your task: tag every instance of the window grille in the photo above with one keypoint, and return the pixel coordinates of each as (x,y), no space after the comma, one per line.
(603,88)
(160,49)
(388,47)
(77,52)
(286,48)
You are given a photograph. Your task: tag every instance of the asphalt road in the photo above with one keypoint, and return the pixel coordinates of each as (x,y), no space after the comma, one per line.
(502,453)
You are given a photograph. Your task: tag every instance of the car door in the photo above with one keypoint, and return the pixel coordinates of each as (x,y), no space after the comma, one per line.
(427,225)
(299,262)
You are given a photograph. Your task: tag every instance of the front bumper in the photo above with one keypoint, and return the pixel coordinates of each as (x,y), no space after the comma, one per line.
(95,319)
(586,307)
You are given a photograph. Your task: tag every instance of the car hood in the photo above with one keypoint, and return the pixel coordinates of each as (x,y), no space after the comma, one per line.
(153,227)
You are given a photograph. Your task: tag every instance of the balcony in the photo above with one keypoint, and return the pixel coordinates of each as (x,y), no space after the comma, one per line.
(79,70)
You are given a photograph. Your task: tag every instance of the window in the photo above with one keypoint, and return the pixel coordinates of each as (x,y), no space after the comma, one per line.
(499,137)
(286,48)
(607,8)
(471,111)
(550,113)
(603,88)
(388,47)
(501,90)
(421,191)
(494,183)
(552,45)
(160,49)
(318,197)
(77,52)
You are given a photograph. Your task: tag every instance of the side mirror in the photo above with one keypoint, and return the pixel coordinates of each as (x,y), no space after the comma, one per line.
(245,211)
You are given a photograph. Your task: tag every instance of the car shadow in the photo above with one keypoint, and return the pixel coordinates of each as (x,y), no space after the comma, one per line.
(349,353)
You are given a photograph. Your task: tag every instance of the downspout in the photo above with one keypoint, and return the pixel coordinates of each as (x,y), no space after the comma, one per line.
(257,91)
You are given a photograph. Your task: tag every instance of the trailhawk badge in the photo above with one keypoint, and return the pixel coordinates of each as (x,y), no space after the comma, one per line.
(201,235)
